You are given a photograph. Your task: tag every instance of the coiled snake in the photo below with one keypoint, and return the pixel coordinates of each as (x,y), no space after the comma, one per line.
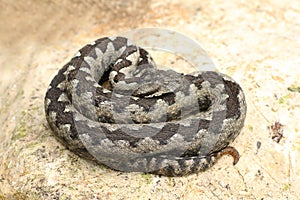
(111,104)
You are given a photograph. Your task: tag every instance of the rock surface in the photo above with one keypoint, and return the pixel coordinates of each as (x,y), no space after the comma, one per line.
(257,43)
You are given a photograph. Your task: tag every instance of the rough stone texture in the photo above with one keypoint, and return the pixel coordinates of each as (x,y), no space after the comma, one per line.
(255,42)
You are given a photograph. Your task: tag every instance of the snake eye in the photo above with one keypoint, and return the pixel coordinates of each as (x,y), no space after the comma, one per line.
(116,80)
(118,77)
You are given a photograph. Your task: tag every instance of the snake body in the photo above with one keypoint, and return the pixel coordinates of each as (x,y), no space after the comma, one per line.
(111,104)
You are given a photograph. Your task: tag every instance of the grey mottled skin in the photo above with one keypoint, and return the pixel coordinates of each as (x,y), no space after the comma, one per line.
(112,105)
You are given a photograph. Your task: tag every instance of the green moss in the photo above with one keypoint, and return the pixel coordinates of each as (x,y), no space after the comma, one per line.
(35,108)
(250,128)
(286,187)
(20,132)
(20,93)
(147,177)
(171,181)
(22,129)
(283,99)
(33,144)
(64,196)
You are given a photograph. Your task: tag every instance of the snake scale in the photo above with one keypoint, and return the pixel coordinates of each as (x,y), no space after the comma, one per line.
(111,104)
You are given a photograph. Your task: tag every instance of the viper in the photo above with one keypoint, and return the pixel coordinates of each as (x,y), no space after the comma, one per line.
(110,103)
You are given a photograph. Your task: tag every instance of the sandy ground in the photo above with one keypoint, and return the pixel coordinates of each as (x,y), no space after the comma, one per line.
(256,42)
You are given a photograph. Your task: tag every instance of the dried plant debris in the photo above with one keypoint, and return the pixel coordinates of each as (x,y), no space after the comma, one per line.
(294,88)
(276,131)
(258,145)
